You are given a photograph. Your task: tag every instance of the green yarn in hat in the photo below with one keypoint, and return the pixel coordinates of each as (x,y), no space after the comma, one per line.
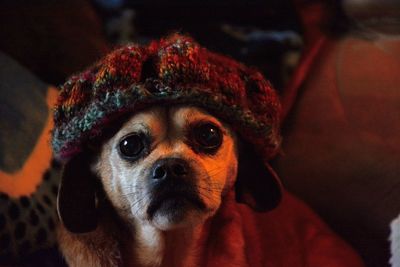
(174,70)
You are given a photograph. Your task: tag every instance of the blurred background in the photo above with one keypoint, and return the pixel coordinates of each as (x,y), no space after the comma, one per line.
(335,64)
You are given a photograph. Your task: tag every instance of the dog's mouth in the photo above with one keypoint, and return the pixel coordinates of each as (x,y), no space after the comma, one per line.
(174,202)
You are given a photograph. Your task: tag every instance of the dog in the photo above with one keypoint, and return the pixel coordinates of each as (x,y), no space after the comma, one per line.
(166,170)
(180,177)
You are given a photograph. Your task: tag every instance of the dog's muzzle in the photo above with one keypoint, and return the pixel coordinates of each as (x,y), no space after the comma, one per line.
(172,187)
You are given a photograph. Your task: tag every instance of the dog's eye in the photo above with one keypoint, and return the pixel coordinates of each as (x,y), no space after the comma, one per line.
(207,136)
(131,146)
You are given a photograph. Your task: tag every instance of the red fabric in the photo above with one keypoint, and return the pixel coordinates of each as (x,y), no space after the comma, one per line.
(300,74)
(291,235)
(341,142)
(341,145)
(312,14)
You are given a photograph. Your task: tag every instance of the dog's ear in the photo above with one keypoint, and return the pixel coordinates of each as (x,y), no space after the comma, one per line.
(257,185)
(76,202)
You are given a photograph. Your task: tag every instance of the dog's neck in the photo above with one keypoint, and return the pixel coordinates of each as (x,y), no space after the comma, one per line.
(153,247)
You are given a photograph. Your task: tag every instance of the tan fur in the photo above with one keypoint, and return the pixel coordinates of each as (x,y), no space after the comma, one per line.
(156,242)
(90,250)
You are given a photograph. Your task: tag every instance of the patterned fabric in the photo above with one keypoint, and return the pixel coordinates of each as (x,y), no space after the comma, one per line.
(169,71)
(28,176)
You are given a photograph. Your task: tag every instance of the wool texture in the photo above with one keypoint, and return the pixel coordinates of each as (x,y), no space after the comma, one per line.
(174,70)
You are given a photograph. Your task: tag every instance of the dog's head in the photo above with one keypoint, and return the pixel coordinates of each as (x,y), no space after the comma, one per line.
(167,166)
(137,126)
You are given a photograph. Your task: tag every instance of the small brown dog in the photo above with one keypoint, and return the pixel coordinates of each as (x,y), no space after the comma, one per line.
(165,172)
(156,173)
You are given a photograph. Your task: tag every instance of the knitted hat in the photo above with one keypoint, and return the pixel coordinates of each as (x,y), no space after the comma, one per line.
(175,70)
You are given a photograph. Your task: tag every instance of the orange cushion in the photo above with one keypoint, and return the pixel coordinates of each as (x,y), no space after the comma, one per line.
(341,148)
(28,176)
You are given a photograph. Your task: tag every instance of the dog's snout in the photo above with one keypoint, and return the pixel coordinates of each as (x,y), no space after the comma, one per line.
(170,168)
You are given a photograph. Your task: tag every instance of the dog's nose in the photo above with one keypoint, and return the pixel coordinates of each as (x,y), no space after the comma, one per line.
(170,168)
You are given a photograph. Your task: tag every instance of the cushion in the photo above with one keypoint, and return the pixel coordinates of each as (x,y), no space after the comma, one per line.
(341,147)
(28,176)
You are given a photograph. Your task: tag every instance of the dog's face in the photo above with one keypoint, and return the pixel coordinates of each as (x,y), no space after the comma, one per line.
(168,166)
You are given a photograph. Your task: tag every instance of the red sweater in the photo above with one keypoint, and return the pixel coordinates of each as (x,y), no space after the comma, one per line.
(289,236)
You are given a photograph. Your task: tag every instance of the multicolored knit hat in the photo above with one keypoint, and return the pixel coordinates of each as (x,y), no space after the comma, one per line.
(174,70)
